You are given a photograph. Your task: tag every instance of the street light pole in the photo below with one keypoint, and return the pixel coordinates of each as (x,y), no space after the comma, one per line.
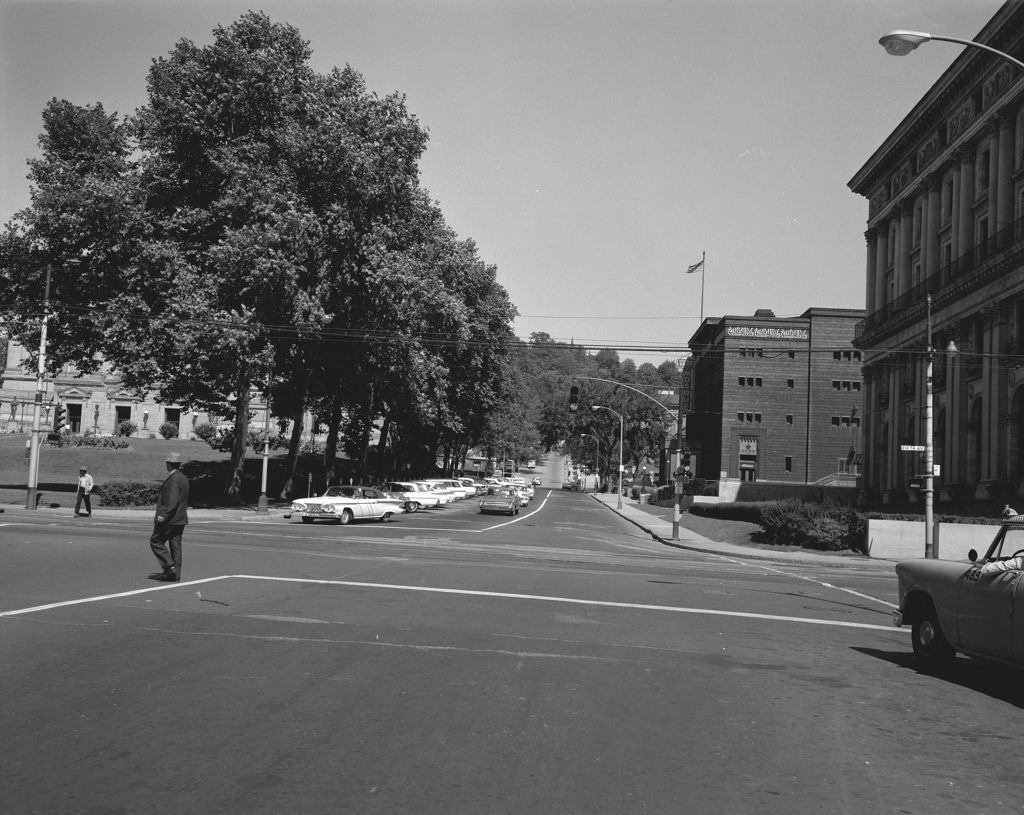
(618,502)
(929,451)
(899,43)
(261,505)
(33,463)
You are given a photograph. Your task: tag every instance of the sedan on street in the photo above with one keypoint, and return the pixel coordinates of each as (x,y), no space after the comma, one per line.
(501,499)
(342,505)
(976,607)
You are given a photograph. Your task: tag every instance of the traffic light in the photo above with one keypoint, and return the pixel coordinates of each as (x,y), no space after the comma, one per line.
(574,399)
(59,418)
(687,464)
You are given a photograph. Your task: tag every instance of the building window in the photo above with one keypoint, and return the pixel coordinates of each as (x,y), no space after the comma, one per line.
(757,418)
(790,383)
(789,418)
(947,200)
(739,417)
(835,421)
(750,417)
(742,381)
(759,382)
(789,464)
(835,384)
(792,354)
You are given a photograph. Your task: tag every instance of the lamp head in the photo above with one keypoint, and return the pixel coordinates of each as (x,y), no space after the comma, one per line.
(899,43)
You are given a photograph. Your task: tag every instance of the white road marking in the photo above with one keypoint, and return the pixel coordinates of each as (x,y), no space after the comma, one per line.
(760,565)
(464,593)
(520,518)
(102,597)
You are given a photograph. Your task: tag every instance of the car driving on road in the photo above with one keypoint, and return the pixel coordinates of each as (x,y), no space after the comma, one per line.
(501,499)
(342,505)
(975,607)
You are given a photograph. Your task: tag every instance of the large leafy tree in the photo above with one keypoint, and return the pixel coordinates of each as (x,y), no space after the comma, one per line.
(220,230)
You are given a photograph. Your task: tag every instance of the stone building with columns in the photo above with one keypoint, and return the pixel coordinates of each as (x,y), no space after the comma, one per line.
(945,264)
(94,403)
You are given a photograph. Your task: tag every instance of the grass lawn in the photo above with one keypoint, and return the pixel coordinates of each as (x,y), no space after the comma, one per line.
(142,461)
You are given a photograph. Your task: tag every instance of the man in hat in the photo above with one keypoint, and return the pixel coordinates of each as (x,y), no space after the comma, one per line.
(85,485)
(169,524)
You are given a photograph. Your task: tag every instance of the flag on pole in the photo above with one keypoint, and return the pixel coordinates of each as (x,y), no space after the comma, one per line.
(696,267)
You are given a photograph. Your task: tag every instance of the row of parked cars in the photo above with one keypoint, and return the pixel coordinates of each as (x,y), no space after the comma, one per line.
(352,502)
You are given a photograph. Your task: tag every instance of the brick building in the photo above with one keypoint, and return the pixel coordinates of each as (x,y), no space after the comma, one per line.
(776,399)
(945,195)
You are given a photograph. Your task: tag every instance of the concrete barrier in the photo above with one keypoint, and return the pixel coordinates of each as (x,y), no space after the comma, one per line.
(904,540)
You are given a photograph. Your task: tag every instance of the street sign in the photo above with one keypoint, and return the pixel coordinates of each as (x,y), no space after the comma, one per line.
(911,448)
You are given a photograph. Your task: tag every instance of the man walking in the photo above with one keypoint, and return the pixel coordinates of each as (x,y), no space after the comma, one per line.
(85,485)
(169,524)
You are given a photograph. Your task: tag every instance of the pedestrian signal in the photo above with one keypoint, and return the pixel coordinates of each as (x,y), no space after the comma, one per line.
(574,399)
(60,421)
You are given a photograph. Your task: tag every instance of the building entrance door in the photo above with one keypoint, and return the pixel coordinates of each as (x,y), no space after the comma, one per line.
(75,417)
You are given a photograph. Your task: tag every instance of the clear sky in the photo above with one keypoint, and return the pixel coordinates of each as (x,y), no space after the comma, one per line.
(593,149)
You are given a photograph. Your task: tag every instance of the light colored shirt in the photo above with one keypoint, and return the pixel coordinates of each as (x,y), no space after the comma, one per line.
(85,483)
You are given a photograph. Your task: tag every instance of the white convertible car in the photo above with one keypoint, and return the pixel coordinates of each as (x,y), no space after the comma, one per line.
(342,505)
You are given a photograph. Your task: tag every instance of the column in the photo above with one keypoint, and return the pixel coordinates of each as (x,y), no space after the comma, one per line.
(870,237)
(881,263)
(904,244)
(933,219)
(1004,173)
(964,223)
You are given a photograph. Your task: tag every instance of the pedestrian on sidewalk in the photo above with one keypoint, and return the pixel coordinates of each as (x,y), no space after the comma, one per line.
(85,485)
(169,524)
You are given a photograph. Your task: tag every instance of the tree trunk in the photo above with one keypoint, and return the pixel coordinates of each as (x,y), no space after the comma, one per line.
(292,459)
(233,494)
(331,446)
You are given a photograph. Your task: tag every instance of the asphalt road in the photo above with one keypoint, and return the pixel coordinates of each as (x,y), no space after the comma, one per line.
(449,662)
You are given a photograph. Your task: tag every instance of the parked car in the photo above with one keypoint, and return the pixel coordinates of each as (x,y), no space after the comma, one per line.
(446,494)
(975,607)
(342,505)
(536,481)
(414,496)
(501,499)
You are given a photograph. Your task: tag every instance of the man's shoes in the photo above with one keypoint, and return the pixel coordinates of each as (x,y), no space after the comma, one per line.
(170,577)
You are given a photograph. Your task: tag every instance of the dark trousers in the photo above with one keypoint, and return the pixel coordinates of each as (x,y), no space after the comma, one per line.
(83,496)
(166,545)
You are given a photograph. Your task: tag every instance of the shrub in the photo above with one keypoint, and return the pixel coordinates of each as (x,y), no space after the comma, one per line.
(785,522)
(102,442)
(207,432)
(128,493)
(169,430)
(829,527)
(126,428)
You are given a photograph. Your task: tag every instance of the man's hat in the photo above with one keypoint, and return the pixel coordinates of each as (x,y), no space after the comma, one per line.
(82,469)
(173,458)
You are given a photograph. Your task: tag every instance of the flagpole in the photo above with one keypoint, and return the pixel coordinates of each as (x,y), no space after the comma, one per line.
(702,265)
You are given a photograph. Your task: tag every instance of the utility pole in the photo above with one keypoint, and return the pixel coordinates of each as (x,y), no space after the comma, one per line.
(31,496)
(261,505)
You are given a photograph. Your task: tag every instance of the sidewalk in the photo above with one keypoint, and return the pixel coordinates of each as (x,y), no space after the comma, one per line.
(245,513)
(660,528)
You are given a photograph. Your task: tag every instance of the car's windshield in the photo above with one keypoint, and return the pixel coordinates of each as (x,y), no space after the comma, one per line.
(333,492)
(1013,541)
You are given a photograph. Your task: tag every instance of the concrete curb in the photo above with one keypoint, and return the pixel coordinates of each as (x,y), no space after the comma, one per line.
(693,542)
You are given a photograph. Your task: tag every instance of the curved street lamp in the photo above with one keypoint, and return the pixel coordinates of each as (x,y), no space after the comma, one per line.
(618,502)
(899,43)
